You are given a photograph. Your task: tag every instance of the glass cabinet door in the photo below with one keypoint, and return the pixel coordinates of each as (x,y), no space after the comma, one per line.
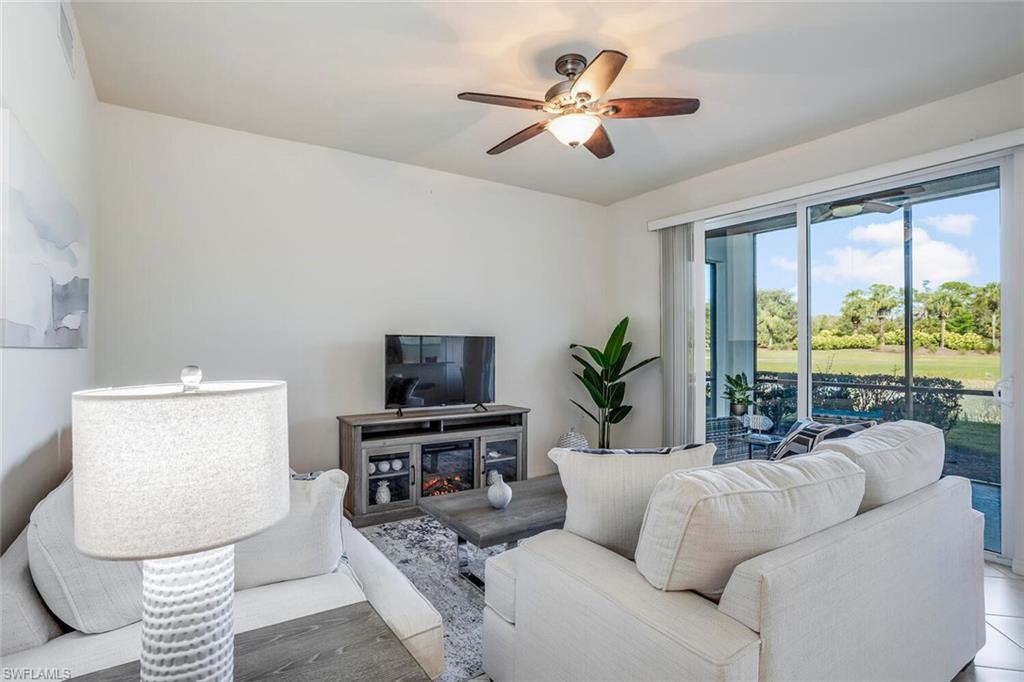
(446,468)
(389,478)
(500,455)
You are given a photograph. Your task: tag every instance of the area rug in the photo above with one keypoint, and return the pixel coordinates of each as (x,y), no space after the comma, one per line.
(424,551)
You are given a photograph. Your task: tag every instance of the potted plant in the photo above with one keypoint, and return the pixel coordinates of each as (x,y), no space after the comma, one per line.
(738,392)
(602,377)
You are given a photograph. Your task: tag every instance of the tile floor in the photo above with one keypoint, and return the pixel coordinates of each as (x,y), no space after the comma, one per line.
(1002,659)
(1003,655)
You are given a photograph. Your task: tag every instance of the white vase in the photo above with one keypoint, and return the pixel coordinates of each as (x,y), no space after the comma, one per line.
(499,494)
(396,465)
(492,476)
(383,495)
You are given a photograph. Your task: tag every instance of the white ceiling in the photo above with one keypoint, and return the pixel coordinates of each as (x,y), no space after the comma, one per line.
(381,79)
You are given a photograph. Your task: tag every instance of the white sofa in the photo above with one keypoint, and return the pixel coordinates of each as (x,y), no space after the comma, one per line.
(894,593)
(367,575)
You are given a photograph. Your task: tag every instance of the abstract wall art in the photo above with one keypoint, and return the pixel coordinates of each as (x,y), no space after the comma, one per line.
(44,251)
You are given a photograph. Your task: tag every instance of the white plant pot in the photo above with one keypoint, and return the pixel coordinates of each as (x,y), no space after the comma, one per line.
(499,494)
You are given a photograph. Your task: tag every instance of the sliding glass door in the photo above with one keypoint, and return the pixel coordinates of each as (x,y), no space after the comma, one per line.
(905,318)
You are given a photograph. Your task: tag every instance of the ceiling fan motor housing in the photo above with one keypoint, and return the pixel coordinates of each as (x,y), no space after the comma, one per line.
(570,65)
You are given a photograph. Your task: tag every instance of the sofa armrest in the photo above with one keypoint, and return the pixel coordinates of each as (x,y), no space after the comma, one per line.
(409,614)
(583,612)
(895,593)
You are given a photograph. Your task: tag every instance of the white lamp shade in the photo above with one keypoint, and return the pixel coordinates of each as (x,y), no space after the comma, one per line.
(159,471)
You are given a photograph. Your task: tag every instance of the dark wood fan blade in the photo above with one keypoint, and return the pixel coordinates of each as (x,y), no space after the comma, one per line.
(599,144)
(827,215)
(878,207)
(599,74)
(522,136)
(649,107)
(502,100)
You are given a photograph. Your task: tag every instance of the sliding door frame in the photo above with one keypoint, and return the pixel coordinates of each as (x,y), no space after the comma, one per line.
(1011,197)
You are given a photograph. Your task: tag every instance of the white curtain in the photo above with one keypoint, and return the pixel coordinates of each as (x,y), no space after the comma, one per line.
(682,333)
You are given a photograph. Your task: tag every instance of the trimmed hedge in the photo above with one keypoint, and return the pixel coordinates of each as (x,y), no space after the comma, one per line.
(829,340)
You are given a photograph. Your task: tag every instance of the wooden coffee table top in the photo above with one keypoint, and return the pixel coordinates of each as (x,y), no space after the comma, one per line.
(538,504)
(347,643)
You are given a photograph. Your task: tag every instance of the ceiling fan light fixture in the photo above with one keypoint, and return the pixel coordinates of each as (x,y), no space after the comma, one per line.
(574,129)
(847,210)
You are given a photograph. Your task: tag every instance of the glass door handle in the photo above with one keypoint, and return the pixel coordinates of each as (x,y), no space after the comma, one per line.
(1003,391)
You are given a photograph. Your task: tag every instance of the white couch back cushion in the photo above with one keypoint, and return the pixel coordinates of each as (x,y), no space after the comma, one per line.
(701,524)
(607,493)
(305,543)
(25,621)
(88,594)
(897,458)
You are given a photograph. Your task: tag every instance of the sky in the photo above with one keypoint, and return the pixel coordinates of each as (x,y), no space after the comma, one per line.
(954,239)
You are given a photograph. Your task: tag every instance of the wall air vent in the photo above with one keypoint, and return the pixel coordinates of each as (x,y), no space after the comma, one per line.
(66,34)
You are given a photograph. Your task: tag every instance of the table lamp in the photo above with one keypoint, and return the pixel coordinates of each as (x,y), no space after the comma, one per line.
(174,474)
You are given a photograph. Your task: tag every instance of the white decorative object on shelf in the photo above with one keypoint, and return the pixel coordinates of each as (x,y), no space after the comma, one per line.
(384,466)
(396,465)
(499,494)
(372,468)
(493,454)
(383,495)
(572,439)
(491,476)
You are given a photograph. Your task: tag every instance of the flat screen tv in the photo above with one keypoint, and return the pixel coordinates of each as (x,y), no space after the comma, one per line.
(428,371)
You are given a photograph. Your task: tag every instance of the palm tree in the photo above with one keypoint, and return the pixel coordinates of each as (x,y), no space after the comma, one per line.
(941,303)
(882,300)
(989,297)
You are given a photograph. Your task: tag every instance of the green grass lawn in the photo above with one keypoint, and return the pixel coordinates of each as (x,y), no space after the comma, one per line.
(975,370)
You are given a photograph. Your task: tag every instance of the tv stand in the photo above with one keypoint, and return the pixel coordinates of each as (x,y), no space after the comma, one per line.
(427,452)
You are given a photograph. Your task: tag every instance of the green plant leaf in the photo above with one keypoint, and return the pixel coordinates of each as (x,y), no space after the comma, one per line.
(594,353)
(616,392)
(585,411)
(586,365)
(595,392)
(615,371)
(638,366)
(614,345)
(619,413)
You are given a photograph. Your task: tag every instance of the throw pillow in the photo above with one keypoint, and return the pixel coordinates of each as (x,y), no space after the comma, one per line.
(701,524)
(805,435)
(897,458)
(608,492)
(24,621)
(305,543)
(90,595)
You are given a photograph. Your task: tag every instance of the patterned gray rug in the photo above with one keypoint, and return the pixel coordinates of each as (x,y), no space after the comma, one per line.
(424,551)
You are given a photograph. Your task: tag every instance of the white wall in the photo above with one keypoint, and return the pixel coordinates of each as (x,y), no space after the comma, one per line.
(634,277)
(259,257)
(58,113)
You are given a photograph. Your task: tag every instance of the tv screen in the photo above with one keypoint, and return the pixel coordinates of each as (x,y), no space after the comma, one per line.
(426,371)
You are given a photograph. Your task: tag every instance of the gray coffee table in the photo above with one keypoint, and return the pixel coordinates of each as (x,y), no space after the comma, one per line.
(538,504)
(347,643)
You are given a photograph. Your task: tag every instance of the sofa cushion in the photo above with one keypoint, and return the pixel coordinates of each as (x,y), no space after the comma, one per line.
(607,493)
(91,595)
(79,653)
(305,543)
(701,524)
(25,621)
(897,458)
(805,435)
(500,594)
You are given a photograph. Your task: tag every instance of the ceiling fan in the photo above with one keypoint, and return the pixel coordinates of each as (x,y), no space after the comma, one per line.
(576,103)
(870,203)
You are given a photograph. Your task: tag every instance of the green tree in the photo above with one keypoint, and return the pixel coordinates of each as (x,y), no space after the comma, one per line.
(989,296)
(855,310)
(881,301)
(940,304)
(776,318)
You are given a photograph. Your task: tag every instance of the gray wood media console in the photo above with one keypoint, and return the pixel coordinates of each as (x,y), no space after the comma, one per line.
(425,453)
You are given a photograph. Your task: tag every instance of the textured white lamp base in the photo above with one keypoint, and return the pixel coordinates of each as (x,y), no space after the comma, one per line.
(188,624)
